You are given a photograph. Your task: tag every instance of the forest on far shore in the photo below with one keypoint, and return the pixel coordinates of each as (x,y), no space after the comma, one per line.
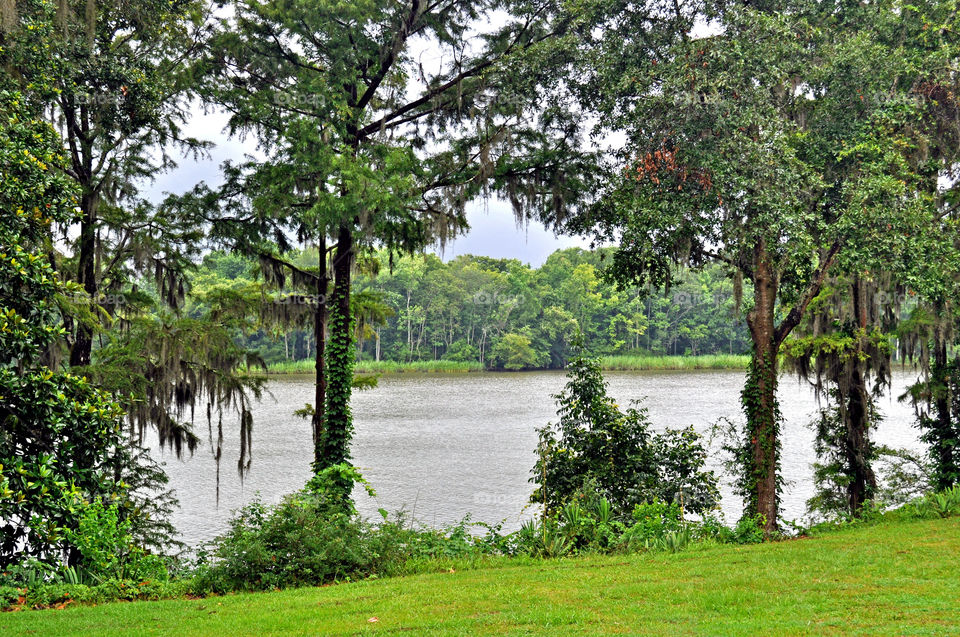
(498,313)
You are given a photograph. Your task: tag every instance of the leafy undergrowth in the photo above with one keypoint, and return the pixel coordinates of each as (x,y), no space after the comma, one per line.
(895,577)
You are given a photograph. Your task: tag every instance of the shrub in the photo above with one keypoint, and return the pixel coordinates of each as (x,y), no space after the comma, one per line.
(943,504)
(107,549)
(9,596)
(460,351)
(298,542)
(514,352)
(615,453)
(652,522)
(58,594)
(750,530)
(310,539)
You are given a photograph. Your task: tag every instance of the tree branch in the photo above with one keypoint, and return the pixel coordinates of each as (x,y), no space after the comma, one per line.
(813,289)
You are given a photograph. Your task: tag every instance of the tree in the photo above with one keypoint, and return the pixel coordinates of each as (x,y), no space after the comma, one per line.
(461,309)
(753,148)
(513,352)
(925,337)
(844,349)
(115,85)
(112,77)
(62,441)
(354,158)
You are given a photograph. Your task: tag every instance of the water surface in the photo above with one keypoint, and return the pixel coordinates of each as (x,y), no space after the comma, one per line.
(442,446)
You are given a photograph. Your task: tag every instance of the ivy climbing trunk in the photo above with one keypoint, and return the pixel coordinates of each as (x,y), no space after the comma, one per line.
(760,394)
(338,421)
(319,335)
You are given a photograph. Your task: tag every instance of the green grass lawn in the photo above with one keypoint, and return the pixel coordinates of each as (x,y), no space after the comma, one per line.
(892,579)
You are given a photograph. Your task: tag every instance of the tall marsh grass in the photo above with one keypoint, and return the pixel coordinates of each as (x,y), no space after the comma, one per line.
(710,361)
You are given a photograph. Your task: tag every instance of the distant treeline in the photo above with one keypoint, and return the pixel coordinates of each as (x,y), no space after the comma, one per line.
(502,314)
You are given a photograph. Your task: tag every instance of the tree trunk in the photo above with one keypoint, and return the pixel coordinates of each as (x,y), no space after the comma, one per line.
(319,333)
(864,481)
(409,329)
(86,276)
(940,376)
(760,395)
(857,440)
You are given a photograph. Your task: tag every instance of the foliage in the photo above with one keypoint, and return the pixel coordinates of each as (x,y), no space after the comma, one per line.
(940,504)
(113,78)
(106,546)
(727,160)
(59,595)
(304,541)
(365,146)
(653,594)
(513,352)
(337,416)
(902,475)
(654,521)
(834,474)
(843,350)
(62,441)
(940,427)
(463,309)
(597,445)
(750,530)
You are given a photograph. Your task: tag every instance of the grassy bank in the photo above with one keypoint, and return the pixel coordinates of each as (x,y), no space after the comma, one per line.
(382,367)
(666,363)
(610,363)
(890,579)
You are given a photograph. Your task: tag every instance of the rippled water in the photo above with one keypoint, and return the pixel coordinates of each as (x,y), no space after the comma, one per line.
(446,445)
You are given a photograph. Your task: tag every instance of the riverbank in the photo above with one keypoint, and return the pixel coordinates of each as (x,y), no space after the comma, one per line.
(669,363)
(608,363)
(383,367)
(894,578)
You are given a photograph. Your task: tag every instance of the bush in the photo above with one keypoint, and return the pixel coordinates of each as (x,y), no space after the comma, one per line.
(107,549)
(750,530)
(514,352)
(299,542)
(943,504)
(615,453)
(460,351)
(59,594)
(9,596)
(587,525)
(304,541)
(653,522)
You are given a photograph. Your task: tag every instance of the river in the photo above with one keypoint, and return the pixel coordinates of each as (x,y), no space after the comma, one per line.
(443,446)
